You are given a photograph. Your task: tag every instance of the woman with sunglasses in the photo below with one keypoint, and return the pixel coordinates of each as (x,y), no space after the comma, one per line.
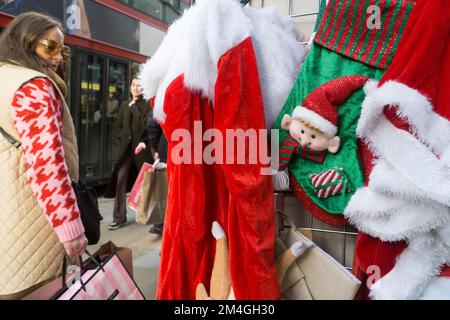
(132,119)
(39,217)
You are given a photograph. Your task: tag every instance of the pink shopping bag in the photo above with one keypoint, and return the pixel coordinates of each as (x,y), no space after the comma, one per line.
(136,192)
(108,280)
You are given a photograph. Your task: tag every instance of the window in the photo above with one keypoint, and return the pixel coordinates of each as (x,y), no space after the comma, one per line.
(164,10)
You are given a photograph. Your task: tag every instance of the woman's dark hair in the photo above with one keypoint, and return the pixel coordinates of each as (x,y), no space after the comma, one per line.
(131,82)
(19,40)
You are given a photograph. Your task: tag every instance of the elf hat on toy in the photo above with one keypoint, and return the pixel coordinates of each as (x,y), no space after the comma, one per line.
(319,108)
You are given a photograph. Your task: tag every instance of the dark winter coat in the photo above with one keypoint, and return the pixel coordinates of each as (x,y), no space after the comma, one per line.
(154,137)
(132,121)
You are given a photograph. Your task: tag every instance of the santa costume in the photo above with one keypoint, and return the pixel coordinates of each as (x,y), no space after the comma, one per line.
(224,67)
(403,210)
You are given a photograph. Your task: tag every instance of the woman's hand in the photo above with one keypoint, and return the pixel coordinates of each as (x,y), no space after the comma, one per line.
(141,146)
(76,247)
(154,153)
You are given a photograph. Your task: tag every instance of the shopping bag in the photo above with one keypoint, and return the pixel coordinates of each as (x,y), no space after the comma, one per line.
(44,291)
(125,254)
(48,290)
(152,206)
(99,278)
(315,275)
(136,191)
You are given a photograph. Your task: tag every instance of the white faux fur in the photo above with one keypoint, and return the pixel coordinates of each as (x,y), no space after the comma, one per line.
(411,105)
(415,268)
(219,26)
(397,223)
(368,203)
(315,120)
(437,289)
(381,179)
(412,169)
(279,56)
(167,63)
(196,42)
(444,233)
(412,159)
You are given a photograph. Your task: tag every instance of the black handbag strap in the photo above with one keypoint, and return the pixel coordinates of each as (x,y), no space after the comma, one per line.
(10,139)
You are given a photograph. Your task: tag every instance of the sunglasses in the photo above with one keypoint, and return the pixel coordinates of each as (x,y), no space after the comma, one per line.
(53,48)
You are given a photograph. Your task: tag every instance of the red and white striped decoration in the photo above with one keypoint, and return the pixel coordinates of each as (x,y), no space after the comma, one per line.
(324,178)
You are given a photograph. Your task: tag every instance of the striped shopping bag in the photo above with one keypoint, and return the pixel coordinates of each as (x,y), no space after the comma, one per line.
(105,279)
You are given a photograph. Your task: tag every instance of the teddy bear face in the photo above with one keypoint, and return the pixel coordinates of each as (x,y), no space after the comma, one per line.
(308,137)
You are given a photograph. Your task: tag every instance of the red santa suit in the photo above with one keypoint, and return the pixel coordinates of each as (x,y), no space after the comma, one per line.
(403,211)
(225,67)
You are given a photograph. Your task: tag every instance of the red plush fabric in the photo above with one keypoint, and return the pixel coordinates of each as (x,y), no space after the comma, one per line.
(422,60)
(371,252)
(236,195)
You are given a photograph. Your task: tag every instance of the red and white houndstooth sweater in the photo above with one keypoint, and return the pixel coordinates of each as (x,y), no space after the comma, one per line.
(36,111)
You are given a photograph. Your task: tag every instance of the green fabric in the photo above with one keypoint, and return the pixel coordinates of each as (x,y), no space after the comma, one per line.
(323,65)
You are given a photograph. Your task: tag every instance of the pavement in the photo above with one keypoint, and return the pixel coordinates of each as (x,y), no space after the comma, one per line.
(144,245)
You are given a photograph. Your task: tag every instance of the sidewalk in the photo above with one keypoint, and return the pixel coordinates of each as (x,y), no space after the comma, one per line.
(145,246)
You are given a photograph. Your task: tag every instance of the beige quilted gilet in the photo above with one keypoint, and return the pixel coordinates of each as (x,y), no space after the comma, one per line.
(30,251)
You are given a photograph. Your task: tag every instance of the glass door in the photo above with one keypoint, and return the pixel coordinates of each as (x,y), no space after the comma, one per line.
(117,94)
(91,115)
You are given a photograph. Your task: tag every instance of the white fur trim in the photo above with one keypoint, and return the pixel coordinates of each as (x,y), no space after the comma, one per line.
(196,42)
(386,179)
(192,47)
(279,56)
(437,289)
(444,233)
(219,26)
(412,159)
(413,106)
(167,63)
(370,86)
(315,119)
(414,270)
(407,171)
(396,223)
(366,203)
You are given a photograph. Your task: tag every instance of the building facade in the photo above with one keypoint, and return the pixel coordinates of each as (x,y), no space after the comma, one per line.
(109,39)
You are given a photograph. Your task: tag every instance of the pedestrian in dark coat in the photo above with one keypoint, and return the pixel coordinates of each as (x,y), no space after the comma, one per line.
(132,121)
(154,141)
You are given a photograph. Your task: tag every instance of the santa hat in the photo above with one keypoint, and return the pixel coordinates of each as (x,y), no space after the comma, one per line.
(319,108)
(417,83)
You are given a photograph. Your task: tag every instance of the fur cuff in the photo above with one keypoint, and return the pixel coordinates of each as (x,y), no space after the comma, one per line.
(415,268)
(392,219)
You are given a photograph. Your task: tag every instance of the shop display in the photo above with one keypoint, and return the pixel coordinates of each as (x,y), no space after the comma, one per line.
(222,67)
(363,134)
